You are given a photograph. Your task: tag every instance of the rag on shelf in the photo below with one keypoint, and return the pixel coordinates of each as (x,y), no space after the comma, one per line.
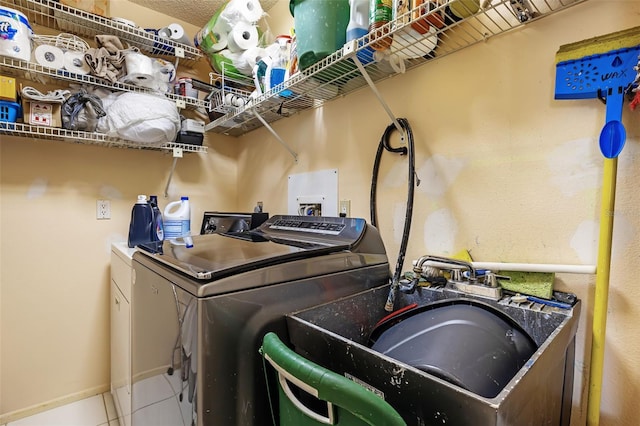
(81,111)
(107,60)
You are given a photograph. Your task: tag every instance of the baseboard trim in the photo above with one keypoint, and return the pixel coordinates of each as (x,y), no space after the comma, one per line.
(58,402)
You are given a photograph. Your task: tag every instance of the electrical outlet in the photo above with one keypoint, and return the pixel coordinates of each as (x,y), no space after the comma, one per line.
(345,208)
(103,209)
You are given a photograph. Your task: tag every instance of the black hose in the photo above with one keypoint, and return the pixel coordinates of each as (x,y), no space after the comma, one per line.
(384,145)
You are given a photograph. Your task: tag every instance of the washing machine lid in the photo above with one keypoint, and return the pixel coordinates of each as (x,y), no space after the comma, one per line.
(280,239)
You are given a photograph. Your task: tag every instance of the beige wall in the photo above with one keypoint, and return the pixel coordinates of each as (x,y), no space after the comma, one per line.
(507,172)
(54,254)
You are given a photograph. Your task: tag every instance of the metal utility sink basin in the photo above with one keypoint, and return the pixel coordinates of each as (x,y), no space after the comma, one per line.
(336,336)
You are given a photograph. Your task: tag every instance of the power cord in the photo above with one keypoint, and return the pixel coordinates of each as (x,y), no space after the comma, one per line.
(56,96)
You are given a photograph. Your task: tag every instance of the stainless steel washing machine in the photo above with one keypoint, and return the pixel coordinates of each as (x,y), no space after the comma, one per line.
(199,314)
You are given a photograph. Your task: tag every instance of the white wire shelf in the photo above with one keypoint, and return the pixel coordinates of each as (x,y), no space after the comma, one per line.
(51,14)
(36,72)
(88,138)
(338,75)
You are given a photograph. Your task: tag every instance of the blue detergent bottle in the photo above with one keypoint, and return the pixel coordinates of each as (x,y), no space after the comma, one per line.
(141,222)
(157,228)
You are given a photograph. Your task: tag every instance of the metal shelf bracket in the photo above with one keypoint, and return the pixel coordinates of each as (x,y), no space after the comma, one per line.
(177,153)
(349,50)
(276,135)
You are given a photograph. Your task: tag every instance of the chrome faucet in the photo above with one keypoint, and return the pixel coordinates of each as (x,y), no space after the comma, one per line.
(464,277)
(454,266)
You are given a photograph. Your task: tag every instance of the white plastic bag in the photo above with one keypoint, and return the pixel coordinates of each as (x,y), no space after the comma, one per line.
(143,118)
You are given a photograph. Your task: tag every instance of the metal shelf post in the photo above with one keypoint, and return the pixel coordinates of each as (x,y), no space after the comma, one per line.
(349,51)
(276,135)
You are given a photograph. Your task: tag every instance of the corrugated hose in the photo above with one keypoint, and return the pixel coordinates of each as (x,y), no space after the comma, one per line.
(413,181)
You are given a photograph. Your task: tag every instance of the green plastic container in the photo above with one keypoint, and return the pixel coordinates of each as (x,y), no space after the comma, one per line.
(351,403)
(321,27)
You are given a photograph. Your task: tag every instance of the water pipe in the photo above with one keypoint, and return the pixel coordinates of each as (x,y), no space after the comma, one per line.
(536,267)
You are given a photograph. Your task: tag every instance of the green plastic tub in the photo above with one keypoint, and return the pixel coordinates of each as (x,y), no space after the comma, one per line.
(321,27)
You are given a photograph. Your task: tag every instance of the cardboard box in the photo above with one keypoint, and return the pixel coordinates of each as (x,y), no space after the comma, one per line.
(97,7)
(40,113)
(8,88)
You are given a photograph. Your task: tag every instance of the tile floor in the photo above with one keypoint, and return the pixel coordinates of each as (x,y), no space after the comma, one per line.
(94,411)
(158,403)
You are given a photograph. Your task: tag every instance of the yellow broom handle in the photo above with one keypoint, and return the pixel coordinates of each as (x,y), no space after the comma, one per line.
(602,289)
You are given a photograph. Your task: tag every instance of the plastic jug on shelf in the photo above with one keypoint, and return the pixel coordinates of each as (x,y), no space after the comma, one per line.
(359,27)
(177,222)
(277,72)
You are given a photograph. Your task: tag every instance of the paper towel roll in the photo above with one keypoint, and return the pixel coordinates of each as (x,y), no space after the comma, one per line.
(164,32)
(239,62)
(178,34)
(139,69)
(74,62)
(251,56)
(163,75)
(242,37)
(242,10)
(16,33)
(212,37)
(49,56)
(164,71)
(220,35)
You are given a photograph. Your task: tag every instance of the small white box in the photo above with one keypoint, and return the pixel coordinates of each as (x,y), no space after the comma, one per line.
(191,125)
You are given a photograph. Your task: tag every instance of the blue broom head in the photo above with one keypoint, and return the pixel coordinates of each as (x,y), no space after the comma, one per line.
(596,75)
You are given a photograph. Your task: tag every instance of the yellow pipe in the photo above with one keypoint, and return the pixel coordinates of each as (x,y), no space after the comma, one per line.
(602,289)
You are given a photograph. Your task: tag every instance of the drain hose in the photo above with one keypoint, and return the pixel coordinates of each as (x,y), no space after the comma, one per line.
(411,178)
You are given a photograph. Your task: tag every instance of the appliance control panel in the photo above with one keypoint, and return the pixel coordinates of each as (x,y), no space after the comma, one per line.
(322,230)
(319,227)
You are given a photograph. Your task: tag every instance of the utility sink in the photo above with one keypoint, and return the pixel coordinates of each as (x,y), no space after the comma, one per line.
(336,335)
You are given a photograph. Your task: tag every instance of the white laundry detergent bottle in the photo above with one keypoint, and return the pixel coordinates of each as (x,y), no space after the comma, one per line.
(359,27)
(277,70)
(177,222)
